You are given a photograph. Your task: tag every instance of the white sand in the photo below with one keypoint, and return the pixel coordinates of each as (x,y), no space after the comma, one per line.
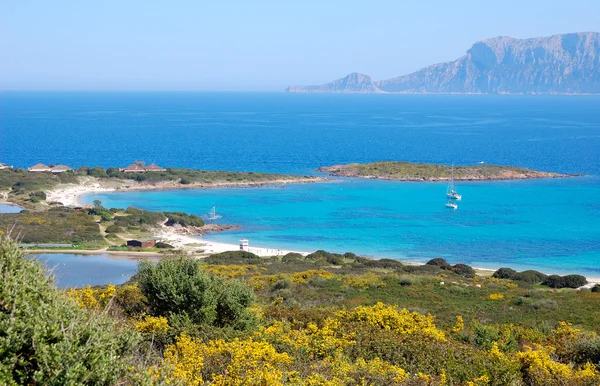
(196,243)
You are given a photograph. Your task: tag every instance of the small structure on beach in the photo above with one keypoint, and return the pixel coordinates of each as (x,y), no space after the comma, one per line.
(40,168)
(155,168)
(141,243)
(244,245)
(4,166)
(140,167)
(60,169)
(136,167)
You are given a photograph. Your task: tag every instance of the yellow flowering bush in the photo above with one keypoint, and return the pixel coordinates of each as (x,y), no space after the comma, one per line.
(231,271)
(263,281)
(368,280)
(91,298)
(312,341)
(220,363)
(305,276)
(496,296)
(565,330)
(540,369)
(152,324)
(390,318)
(460,324)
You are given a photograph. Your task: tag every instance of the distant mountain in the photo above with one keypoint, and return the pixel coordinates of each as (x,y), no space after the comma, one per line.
(559,64)
(353,83)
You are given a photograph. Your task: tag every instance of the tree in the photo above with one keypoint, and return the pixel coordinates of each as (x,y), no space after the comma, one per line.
(97,203)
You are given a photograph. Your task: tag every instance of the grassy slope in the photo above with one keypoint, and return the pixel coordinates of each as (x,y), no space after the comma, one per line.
(420,290)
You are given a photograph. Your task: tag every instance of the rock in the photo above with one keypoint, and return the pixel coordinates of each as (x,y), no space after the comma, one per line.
(559,64)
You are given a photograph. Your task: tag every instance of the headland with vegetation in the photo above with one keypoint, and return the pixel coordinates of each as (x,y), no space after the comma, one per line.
(323,319)
(35,189)
(409,171)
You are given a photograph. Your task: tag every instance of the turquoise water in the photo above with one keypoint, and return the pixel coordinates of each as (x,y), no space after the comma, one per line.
(72,270)
(550,225)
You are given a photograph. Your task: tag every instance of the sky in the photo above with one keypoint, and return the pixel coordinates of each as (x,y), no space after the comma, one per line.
(254,45)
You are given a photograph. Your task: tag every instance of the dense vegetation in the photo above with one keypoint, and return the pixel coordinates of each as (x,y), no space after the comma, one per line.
(422,171)
(61,225)
(46,339)
(238,319)
(58,225)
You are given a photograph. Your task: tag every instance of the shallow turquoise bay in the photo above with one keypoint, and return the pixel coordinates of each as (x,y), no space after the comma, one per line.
(550,225)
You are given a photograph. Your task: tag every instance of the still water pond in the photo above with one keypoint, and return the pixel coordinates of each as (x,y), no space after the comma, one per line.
(71,270)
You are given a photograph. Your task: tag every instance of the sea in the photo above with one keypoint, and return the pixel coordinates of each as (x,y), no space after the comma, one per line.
(552,225)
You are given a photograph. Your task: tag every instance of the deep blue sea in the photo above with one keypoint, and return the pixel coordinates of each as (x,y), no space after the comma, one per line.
(551,225)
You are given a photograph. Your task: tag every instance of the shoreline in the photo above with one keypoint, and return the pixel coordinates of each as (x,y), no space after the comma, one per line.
(70,194)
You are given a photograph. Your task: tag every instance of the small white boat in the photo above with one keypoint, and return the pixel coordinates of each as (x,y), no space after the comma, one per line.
(452,205)
(450,192)
(212,215)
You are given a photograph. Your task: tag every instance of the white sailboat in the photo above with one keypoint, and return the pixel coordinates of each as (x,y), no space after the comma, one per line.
(451,193)
(212,215)
(451,204)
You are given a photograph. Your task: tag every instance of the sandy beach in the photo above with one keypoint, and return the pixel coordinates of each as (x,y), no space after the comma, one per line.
(70,194)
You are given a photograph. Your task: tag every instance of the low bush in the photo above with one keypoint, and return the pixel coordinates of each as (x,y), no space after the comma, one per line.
(179,286)
(568,281)
(439,262)
(463,270)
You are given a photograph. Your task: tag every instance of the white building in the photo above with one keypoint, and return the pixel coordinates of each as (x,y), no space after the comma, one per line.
(244,245)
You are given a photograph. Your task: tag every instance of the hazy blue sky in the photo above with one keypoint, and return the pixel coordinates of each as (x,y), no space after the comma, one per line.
(254,45)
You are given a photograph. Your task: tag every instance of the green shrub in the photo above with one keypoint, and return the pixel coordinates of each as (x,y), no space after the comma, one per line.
(568,281)
(162,245)
(292,257)
(439,262)
(505,273)
(179,285)
(46,339)
(463,270)
(596,288)
(114,229)
(530,276)
(183,219)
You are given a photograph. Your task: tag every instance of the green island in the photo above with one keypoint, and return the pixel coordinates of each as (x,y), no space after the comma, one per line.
(235,318)
(409,171)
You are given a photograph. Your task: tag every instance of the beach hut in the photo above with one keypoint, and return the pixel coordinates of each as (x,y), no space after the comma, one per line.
(141,243)
(60,169)
(136,167)
(155,168)
(40,168)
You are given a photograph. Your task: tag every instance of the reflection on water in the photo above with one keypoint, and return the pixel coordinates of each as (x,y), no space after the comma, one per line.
(72,270)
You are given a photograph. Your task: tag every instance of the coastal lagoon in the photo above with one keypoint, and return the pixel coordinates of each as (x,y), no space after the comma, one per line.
(72,270)
(9,208)
(550,225)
